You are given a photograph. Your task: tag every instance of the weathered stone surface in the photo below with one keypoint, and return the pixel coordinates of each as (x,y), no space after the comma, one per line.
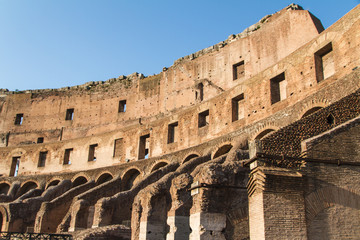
(241,140)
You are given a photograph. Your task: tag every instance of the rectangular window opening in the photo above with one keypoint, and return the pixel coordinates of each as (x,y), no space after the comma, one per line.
(238,70)
(67,156)
(172,132)
(203,119)
(199,92)
(324,63)
(42,159)
(118,143)
(144,147)
(14,166)
(237,107)
(122,106)
(40,140)
(278,88)
(92,152)
(19,119)
(69,114)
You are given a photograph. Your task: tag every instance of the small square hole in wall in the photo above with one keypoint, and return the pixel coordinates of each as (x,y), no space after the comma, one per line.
(69,114)
(278,86)
(203,119)
(19,119)
(238,70)
(122,106)
(40,140)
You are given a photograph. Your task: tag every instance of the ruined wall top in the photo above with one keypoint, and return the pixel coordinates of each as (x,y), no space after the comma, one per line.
(126,80)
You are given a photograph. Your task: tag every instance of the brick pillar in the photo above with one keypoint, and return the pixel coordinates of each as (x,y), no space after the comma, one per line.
(276,203)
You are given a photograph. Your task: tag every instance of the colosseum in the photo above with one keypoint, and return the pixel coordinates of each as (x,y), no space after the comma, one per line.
(256,137)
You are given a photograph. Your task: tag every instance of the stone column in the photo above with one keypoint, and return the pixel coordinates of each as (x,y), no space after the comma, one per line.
(205,221)
(178,218)
(206,225)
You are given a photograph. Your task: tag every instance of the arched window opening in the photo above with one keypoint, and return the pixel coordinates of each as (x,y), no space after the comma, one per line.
(79,181)
(222,150)
(158,166)
(130,179)
(199,92)
(311,111)
(104,178)
(53,183)
(264,133)
(4,188)
(27,187)
(191,156)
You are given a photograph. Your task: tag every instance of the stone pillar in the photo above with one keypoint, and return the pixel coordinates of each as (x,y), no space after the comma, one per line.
(205,222)
(178,218)
(179,227)
(276,204)
(153,217)
(207,226)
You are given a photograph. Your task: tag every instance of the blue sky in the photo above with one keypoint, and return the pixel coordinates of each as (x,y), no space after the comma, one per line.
(59,43)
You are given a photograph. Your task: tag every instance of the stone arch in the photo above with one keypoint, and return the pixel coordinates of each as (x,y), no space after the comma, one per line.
(4,218)
(264,133)
(27,186)
(53,182)
(158,165)
(104,177)
(190,156)
(222,150)
(79,179)
(130,178)
(311,111)
(4,187)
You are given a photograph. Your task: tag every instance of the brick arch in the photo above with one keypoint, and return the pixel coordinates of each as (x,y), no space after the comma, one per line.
(323,198)
(17,152)
(311,111)
(53,182)
(4,219)
(76,179)
(104,177)
(223,149)
(264,132)
(130,177)
(190,156)
(27,186)
(4,187)
(159,164)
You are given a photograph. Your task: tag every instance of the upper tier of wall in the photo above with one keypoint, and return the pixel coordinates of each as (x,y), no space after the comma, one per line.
(280,82)
(96,104)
